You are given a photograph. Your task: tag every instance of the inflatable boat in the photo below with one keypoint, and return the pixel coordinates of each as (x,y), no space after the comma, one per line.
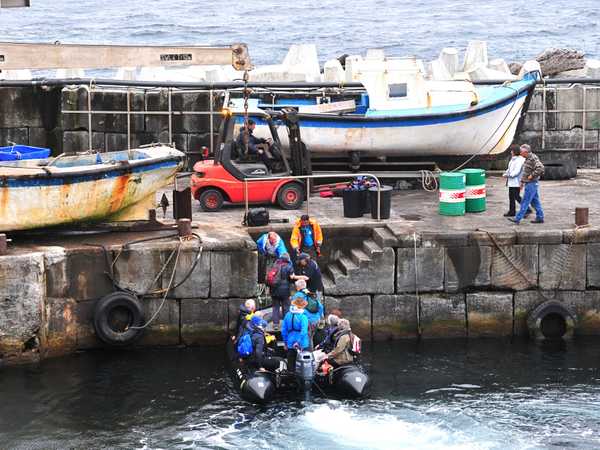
(302,381)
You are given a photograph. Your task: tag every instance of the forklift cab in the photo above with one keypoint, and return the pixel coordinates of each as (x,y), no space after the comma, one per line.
(241,166)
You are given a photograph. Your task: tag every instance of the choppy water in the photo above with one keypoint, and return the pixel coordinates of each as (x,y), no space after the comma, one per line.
(515,30)
(437,395)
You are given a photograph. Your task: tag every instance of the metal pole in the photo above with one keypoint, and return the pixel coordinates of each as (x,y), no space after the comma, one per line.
(170,117)
(308,196)
(89,101)
(211,109)
(129,121)
(246,196)
(583,116)
(543,116)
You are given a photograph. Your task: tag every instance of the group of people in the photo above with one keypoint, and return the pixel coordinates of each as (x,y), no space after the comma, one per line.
(523,173)
(296,288)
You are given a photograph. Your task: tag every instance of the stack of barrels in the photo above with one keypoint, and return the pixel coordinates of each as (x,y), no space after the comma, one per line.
(462,192)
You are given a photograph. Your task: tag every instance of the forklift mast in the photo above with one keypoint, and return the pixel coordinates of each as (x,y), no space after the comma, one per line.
(300,163)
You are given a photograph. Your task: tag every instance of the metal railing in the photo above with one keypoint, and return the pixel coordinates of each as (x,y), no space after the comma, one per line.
(308,178)
(585,109)
(169,113)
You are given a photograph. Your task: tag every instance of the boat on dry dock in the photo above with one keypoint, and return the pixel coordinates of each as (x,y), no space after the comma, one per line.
(84,187)
(402,113)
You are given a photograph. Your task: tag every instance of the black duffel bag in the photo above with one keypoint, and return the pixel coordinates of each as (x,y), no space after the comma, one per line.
(256,217)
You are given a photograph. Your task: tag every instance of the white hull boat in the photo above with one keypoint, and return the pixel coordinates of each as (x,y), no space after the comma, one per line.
(408,116)
(84,187)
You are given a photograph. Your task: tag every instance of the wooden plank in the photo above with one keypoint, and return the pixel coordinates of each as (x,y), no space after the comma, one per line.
(14,56)
(14,3)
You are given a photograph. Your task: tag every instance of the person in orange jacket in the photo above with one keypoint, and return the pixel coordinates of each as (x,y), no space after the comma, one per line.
(307,236)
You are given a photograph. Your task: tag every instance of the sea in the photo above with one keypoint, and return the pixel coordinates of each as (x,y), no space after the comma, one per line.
(514,29)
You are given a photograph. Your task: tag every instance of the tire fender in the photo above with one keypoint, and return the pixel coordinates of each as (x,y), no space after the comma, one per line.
(550,307)
(101,318)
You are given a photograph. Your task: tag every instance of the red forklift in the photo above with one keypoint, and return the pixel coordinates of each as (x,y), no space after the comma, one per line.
(219,180)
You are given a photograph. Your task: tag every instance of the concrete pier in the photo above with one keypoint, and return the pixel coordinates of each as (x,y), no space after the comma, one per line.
(417,275)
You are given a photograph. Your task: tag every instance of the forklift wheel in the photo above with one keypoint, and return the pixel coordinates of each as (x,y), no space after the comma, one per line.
(290,196)
(211,200)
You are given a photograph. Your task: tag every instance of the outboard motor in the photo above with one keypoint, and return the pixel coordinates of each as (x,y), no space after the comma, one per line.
(305,370)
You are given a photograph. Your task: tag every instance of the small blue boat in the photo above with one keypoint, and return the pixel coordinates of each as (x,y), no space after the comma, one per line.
(16,152)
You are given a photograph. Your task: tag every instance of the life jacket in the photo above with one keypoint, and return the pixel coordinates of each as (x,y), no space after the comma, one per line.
(245,348)
(274,274)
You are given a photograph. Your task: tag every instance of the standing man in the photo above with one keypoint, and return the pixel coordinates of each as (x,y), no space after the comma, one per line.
(533,169)
(307,236)
(308,270)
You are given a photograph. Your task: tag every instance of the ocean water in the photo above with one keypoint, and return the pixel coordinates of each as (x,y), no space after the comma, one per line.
(450,394)
(515,29)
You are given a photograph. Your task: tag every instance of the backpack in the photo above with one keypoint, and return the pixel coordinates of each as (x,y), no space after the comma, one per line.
(244,345)
(274,274)
(355,347)
(256,217)
(313,303)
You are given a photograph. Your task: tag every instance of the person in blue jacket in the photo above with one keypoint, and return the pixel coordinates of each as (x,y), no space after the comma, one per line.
(270,248)
(294,330)
(313,309)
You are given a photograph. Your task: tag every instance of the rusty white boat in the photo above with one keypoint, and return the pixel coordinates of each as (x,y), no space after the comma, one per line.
(84,187)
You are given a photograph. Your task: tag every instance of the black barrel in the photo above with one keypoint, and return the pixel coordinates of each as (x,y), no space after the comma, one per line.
(385,201)
(353,205)
(366,202)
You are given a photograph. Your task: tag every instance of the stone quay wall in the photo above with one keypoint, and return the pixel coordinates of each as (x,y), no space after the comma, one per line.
(467,284)
(33,116)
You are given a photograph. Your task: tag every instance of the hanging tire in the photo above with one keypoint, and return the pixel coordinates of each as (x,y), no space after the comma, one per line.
(211,200)
(115,318)
(558,170)
(290,196)
(551,320)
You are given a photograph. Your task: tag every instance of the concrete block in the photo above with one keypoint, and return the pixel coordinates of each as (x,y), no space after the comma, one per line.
(194,102)
(515,267)
(562,266)
(467,267)
(491,236)
(38,137)
(394,317)
(60,327)
(430,269)
(115,142)
(198,283)
(539,237)
(571,139)
(164,329)
(86,336)
(588,314)
(86,274)
(180,140)
(593,265)
(18,135)
(136,266)
(490,314)
(197,141)
(233,274)
(449,238)
(569,98)
(157,101)
(355,308)
(22,295)
(78,141)
(55,265)
(581,235)
(443,316)
(204,321)
(21,107)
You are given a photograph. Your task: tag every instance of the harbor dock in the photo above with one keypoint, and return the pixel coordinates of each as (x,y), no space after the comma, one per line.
(476,275)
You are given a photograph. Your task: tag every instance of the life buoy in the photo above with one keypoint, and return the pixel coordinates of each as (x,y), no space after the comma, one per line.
(551,320)
(116,317)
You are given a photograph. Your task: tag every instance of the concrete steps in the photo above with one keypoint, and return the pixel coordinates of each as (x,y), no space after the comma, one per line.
(369,267)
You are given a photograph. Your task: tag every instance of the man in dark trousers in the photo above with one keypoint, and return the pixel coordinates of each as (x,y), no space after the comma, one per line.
(256,146)
(308,270)
(533,169)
